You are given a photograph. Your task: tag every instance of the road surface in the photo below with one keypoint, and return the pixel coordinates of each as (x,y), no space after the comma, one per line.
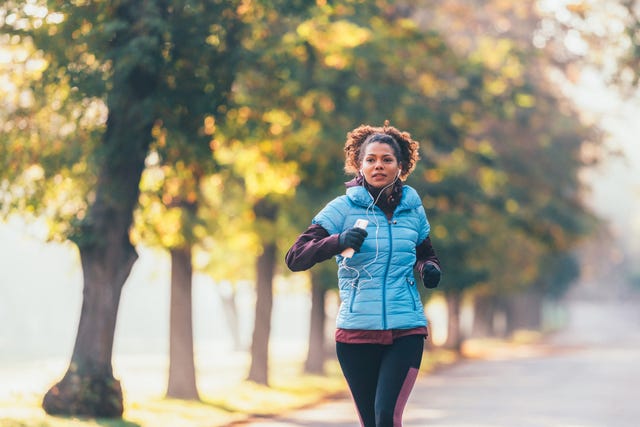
(588,377)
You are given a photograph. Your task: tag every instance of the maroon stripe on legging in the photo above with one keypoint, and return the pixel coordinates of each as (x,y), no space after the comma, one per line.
(403,397)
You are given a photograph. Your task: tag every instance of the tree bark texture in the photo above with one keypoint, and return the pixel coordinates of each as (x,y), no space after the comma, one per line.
(265,267)
(524,311)
(316,353)
(88,388)
(259,370)
(182,370)
(483,314)
(454,338)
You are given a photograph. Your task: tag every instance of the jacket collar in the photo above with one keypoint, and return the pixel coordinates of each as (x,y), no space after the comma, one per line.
(409,198)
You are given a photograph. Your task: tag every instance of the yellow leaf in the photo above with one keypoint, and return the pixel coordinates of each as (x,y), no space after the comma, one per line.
(525,100)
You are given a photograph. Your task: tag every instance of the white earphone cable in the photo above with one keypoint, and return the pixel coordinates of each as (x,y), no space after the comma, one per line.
(371,216)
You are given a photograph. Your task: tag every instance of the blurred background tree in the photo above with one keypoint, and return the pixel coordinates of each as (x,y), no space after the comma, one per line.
(203,48)
(195,60)
(602,39)
(113,66)
(506,191)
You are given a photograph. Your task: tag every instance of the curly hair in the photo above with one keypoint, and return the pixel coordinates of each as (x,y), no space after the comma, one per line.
(409,149)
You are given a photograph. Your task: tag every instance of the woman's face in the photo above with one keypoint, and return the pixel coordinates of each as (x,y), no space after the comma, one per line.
(380,166)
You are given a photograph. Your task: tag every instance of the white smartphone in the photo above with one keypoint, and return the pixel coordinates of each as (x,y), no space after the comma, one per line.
(361,223)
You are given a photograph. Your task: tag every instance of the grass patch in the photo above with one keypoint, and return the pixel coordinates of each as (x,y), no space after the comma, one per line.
(226,397)
(521,344)
(219,406)
(285,392)
(438,357)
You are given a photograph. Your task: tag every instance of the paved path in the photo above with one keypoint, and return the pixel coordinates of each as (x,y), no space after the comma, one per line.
(590,378)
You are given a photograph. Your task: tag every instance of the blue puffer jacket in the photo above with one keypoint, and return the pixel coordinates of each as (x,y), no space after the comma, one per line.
(377,285)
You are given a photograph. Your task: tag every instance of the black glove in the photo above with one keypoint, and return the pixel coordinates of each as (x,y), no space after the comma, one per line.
(352,238)
(430,276)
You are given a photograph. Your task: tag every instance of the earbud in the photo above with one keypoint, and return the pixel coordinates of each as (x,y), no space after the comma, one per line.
(399,172)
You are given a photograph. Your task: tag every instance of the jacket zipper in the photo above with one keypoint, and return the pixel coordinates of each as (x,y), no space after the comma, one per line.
(410,284)
(386,273)
(354,290)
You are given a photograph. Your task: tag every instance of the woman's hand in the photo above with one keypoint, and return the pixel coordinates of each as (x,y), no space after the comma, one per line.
(431,275)
(352,238)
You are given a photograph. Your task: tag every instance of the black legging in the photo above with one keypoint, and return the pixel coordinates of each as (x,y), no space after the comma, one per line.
(381,377)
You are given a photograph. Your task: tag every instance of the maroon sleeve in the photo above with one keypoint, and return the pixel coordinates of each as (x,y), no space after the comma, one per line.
(311,247)
(425,254)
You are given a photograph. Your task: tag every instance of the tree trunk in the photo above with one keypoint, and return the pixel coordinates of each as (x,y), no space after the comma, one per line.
(88,388)
(500,317)
(524,311)
(259,369)
(483,314)
(227,294)
(316,353)
(454,338)
(182,371)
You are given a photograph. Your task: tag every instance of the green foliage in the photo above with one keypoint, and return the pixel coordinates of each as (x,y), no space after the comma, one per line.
(45,142)
(501,152)
(502,188)
(255,100)
(67,58)
(559,271)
